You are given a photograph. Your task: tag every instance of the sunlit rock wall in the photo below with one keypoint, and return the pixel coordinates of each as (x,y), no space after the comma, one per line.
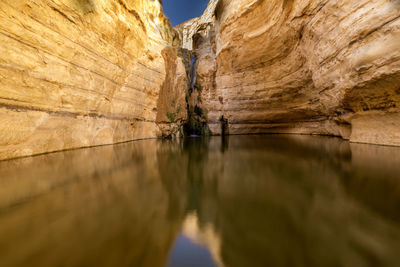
(191,27)
(76,73)
(302,66)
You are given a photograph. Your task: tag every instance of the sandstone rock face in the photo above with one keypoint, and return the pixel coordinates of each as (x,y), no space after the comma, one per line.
(93,72)
(302,66)
(171,108)
(81,73)
(198,37)
(191,27)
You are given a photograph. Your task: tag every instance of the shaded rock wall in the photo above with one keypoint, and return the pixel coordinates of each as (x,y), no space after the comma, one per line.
(80,73)
(302,66)
(197,37)
(191,27)
(171,108)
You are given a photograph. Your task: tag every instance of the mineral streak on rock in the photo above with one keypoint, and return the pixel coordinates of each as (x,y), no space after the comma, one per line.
(303,66)
(80,73)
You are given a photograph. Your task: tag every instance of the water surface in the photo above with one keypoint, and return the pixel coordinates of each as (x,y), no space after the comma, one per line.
(241,201)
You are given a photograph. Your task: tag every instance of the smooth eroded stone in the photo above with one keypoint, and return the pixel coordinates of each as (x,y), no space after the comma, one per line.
(81,73)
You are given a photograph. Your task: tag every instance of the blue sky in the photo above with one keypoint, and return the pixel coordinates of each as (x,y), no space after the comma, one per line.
(179,11)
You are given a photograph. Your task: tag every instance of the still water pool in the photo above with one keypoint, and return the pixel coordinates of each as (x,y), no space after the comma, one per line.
(271,200)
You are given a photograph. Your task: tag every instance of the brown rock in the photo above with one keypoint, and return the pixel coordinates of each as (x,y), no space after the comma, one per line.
(171,108)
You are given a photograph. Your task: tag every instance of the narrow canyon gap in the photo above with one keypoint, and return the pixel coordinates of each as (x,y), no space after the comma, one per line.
(91,79)
(84,73)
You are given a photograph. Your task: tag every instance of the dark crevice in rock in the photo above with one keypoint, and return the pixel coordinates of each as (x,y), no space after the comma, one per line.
(63,14)
(134,13)
(196,123)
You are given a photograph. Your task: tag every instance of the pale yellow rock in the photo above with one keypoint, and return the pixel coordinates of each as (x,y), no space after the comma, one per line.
(304,66)
(93,72)
(191,27)
(80,73)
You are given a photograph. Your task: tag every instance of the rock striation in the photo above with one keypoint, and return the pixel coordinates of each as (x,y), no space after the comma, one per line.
(93,72)
(83,73)
(302,66)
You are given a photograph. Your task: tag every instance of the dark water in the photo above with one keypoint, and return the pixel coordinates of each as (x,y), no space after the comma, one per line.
(245,201)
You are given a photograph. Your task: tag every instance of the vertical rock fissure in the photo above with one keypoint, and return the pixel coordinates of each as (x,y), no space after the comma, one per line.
(193,71)
(196,124)
(198,46)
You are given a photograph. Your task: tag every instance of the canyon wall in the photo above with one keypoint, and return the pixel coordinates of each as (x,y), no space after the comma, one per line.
(77,73)
(303,66)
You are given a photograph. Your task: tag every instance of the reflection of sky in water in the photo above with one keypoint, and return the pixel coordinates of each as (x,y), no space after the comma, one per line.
(197,245)
(187,253)
(236,202)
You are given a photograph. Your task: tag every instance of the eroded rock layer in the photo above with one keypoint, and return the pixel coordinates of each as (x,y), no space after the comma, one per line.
(302,66)
(81,73)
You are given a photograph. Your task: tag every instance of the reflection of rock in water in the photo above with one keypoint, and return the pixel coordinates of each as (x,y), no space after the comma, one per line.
(96,207)
(203,235)
(224,143)
(373,178)
(280,200)
(224,125)
(272,200)
(252,201)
